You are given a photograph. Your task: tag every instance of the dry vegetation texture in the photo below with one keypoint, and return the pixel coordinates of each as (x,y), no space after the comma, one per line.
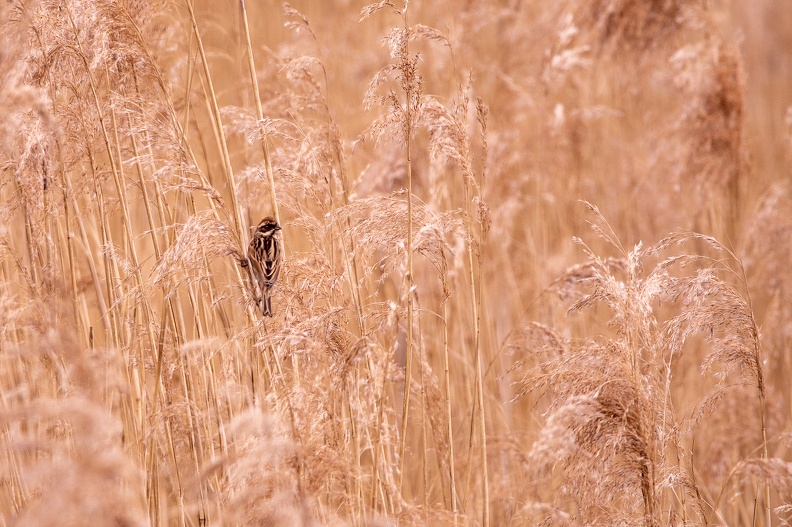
(537,263)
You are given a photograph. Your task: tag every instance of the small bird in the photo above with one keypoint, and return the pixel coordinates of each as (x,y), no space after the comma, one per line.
(264,255)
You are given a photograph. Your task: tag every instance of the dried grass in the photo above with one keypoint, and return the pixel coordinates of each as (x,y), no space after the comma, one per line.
(448,349)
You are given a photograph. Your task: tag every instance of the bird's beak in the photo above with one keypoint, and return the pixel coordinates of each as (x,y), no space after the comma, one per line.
(277,227)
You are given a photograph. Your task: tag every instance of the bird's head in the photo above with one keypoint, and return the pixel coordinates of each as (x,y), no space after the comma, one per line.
(268,226)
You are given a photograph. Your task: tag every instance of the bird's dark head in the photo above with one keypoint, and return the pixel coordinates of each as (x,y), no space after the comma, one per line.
(268,226)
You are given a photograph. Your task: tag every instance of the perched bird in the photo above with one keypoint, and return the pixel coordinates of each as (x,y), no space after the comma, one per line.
(264,255)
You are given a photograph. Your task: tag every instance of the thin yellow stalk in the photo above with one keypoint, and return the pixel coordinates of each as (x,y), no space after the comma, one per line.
(451,460)
(141,373)
(152,439)
(479,391)
(110,277)
(359,513)
(760,386)
(424,443)
(198,307)
(260,114)
(409,277)
(356,510)
(218,120)
(408,360)
(475,294)
(764,450)
(759,372)
(375,482)
(79,316)
(78,216)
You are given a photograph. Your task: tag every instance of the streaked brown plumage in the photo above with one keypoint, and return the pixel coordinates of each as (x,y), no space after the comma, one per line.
(264,255)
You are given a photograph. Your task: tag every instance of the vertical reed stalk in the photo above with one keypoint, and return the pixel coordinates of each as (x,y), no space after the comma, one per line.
(408,90)
(449,406)
(260,113)
(218,121)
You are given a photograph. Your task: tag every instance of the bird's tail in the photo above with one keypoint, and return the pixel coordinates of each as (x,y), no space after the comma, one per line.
(266,305)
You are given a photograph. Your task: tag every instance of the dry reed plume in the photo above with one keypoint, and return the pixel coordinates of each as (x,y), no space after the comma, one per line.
(446,349)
